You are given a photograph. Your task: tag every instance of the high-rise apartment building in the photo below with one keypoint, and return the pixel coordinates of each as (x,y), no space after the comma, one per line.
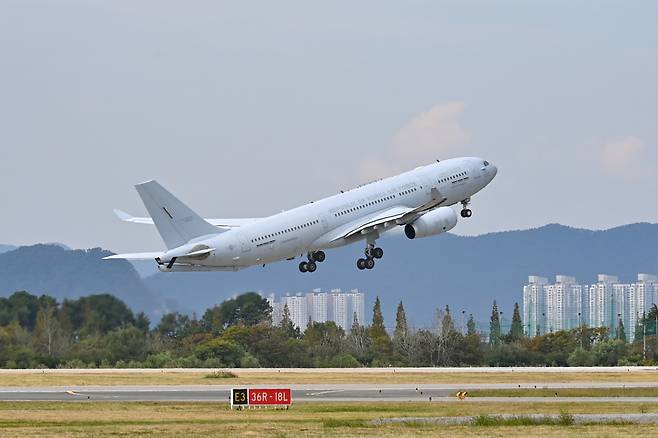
(566,304)
(298,309)
(602,302)
(318,306)
(533,305)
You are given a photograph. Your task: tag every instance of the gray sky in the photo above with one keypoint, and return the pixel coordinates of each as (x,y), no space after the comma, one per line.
(247,108)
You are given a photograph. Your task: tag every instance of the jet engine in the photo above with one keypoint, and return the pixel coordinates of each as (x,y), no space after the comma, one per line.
(434,222)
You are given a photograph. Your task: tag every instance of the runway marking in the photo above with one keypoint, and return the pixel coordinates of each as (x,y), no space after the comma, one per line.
(326,392)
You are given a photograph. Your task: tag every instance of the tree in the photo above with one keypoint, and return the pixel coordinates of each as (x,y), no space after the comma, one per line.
(173,325)
(494,326)
(447,339)
(470,326)
(324,341)
(621,333)
(358,342)
(377,328)
(46,330)
(288,326)
(247,309)
(97,314)
(382,345)
(401,330)
(516,331)
(21,307)
(142,322)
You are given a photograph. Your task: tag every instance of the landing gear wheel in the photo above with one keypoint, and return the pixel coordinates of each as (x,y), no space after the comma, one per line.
(311,266)
(466,213)
(370,263)
(361,264)
(378,253)
(303,267)
(319,256)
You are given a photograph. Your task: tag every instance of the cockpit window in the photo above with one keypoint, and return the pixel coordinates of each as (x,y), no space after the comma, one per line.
(486,163)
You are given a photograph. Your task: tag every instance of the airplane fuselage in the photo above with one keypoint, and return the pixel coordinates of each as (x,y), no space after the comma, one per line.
(323,224)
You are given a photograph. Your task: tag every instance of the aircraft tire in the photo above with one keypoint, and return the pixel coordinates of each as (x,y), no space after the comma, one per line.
(303,267)
(370,263)
(378,253)
(361,264)
(311,266)
(319,256)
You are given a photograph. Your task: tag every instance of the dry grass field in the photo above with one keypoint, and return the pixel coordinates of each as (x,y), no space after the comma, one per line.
(25,419)
(165,377)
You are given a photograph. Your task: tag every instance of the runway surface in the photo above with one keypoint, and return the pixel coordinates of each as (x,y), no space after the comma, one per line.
(312,393)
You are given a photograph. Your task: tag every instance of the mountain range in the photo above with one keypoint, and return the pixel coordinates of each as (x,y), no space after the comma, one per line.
(467,273)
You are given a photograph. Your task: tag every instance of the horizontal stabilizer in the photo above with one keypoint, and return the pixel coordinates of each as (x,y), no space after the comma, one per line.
(135,256)
(219,223)
(129,218)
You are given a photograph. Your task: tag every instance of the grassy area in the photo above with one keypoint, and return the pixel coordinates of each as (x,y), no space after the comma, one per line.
(22,419)
(566,392)
(38,378)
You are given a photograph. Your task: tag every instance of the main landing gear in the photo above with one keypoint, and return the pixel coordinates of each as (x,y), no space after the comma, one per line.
(311,265)
(371,253)
(466,212)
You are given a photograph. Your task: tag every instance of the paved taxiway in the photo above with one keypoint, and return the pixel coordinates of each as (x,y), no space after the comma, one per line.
(310,393)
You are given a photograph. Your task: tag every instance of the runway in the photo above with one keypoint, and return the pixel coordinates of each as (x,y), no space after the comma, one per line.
(312,393)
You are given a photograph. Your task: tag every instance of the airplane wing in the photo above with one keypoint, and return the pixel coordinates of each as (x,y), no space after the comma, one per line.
(220,223)
(135,256)
(387,218)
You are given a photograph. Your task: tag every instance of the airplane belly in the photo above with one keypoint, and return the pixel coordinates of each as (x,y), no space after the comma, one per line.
(290,247)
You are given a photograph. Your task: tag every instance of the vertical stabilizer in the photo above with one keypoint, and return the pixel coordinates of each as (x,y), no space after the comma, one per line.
(175,221)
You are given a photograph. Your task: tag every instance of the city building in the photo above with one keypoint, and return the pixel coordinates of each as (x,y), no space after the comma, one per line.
(317,306)
(566,304)
(533,305)
(298,309)
(602,302)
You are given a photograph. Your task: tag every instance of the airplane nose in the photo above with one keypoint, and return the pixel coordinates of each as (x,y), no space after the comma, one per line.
(494,171)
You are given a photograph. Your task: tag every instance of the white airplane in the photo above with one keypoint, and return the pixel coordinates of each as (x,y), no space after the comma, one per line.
(418,200)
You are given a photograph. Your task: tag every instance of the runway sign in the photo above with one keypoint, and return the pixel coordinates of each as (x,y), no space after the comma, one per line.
(239,397)
(247,397)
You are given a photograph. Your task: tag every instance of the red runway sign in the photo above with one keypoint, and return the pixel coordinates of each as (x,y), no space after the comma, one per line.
(261,397)
(269,396)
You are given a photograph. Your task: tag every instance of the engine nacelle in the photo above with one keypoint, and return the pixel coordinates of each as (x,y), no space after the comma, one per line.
(434,222)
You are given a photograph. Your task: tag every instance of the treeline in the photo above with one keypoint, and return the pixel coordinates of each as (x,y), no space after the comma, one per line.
(101,331)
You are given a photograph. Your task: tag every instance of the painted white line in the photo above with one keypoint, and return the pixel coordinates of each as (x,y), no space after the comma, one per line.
(326,392)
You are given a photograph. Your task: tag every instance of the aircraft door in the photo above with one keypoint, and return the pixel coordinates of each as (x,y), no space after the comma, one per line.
(245,245)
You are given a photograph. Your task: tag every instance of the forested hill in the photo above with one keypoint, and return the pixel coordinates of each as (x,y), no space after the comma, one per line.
(63,273)
(467,273)
(5,248)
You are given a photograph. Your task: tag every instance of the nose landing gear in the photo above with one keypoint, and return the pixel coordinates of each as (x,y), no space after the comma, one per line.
(466,212)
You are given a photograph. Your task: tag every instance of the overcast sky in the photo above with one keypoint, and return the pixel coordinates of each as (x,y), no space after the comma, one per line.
(247,108)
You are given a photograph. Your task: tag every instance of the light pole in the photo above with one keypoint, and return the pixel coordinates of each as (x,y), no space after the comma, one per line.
(580,328)
(618,325)
(463,314)
(644,339)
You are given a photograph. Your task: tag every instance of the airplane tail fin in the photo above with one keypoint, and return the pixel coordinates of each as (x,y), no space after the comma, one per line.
(175,221)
